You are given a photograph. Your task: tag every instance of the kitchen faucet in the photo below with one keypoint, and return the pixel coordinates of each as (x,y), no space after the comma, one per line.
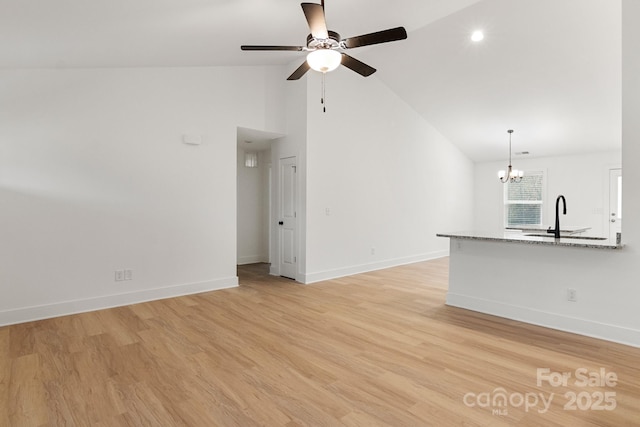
(556,232)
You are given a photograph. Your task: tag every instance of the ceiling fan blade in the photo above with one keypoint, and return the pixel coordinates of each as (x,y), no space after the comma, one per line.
(357,66)
(390,35)
(300,71)
(315,17)
(252,47)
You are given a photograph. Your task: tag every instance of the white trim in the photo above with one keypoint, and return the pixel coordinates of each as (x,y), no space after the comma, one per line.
(274,270)
(606,194)
(64,308)
(251,259)
(364,268)
(574,325)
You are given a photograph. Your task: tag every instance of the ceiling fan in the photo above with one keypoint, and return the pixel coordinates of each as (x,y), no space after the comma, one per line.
(325,46)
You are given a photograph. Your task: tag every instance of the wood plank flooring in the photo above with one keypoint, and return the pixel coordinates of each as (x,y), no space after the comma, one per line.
(375,349)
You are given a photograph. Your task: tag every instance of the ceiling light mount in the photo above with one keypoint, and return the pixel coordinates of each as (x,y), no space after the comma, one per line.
(477,36)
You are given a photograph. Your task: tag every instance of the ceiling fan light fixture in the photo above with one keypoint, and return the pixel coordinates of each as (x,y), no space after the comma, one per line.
(324,60)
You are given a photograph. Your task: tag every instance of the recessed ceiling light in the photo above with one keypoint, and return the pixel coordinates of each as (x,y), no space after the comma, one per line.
(477,36)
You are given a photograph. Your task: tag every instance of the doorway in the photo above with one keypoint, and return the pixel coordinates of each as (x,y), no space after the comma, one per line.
(253,206)
(253,196)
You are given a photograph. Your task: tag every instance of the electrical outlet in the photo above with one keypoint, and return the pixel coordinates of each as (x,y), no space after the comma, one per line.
(119,276)
(373,251)
(572,295)
(128,274)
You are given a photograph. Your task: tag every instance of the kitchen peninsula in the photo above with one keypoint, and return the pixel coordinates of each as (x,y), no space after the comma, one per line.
(528,276)
(571,236)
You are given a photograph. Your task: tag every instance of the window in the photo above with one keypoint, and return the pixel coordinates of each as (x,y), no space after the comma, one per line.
(523,201)
(251,159)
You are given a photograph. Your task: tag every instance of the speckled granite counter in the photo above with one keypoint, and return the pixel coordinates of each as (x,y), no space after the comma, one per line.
(532,238)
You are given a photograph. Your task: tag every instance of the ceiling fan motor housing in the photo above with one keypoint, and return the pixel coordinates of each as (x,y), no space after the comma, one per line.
(333,42)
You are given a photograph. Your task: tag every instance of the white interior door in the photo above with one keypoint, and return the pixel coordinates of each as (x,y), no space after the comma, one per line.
(287,221)
(615,202)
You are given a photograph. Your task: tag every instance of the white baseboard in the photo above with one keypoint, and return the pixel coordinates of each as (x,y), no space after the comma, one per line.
(28,314)
(274,270)
(364,268)
(560,322)
(251,259)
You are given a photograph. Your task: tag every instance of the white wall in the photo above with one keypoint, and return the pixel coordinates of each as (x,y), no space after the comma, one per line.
(583,179)
(94,178)
(253,209)
(631,129)
(293,144)
(389,180)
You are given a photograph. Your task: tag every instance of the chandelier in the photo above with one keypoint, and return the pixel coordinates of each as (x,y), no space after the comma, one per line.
(510,175)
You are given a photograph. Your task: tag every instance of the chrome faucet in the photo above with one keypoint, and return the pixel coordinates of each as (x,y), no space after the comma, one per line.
(556,232)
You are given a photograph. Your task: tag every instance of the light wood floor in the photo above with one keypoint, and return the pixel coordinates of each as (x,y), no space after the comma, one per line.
(373,349)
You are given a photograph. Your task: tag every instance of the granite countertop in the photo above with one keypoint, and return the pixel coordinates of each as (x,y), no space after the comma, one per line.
(525,236)
(563,229)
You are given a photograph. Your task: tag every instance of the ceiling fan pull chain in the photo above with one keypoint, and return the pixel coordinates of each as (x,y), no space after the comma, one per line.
(323,97)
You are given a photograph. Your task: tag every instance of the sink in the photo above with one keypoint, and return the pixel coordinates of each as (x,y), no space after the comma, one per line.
(568,237)
(563,230)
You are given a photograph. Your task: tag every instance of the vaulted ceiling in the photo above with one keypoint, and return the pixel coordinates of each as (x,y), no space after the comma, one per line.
(550,69)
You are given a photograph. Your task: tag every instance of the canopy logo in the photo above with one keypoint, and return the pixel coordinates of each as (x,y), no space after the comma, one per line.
(500,401)
(591,398)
